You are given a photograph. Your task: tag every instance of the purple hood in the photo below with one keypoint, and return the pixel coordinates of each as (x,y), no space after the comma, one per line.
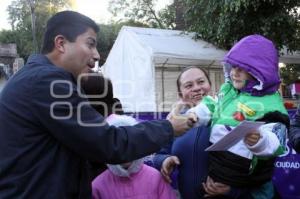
(258,56)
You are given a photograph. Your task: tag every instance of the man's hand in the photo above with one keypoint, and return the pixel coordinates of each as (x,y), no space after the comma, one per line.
(214,188)
(252,138)
(168,166)
(180,122)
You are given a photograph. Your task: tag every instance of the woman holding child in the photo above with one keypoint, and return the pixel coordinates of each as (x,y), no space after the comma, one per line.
(250,93)
(187,152)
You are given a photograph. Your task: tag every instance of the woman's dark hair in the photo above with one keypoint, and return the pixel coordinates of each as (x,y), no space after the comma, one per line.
(100,89)
(70,24)
(186,69)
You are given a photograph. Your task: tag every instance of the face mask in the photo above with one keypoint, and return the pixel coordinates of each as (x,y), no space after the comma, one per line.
(118,170)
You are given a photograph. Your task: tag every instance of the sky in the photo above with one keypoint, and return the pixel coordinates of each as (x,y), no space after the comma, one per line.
(95,9)
(3,14)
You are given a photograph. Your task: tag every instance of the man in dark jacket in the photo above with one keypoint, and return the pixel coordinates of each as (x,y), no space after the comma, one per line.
(48,130)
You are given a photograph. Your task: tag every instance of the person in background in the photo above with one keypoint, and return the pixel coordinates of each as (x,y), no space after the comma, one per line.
(186,154)
(131,180)
(250,93)
(99,91)
(49,132)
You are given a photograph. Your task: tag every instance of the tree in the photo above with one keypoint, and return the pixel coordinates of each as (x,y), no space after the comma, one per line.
(26,16)
(143,11)
(23,41)
(33,20)
(290,73)
(223,22)
(108,34)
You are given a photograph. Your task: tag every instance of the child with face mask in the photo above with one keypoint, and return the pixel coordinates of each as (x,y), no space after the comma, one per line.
(131,180)
(249,93)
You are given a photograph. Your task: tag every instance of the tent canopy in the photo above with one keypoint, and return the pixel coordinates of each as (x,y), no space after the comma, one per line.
(175,47)
(289,57)
(138,52)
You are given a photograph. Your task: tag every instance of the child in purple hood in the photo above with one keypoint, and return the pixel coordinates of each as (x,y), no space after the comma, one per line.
(249,93)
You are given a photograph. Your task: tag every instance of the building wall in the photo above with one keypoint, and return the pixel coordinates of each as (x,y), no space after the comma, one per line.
(8,53)
(2,82)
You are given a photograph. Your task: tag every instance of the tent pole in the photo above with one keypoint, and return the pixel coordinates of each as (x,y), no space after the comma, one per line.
(163,83)
(209,67)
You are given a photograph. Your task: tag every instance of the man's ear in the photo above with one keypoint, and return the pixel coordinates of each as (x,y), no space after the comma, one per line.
(59,43)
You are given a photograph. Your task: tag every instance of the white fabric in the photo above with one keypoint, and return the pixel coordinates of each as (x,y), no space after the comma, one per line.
(268,143)
(131,71)
(203,114)
(121,120)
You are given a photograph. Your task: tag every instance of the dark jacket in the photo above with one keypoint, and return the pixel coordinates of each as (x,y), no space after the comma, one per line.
(192,170)
(48,135)
(189,148)
(294,133)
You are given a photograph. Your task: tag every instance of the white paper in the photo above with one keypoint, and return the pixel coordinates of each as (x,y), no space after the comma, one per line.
(234,136)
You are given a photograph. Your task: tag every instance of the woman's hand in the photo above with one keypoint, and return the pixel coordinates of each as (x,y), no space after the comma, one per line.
(214,188)
(168,166)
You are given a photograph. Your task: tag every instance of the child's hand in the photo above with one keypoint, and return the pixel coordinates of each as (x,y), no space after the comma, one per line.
(193,116)
(168,166)
(252,138)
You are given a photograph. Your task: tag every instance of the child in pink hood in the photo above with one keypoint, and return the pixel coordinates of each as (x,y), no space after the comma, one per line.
(132,180)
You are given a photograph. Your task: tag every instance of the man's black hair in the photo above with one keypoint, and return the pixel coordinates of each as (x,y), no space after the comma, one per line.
(70,24)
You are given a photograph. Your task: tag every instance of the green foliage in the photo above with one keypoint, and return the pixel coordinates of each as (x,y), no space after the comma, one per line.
(20,20)
(143,11)
(290,73)
(20,38)
(223,22)
(19,11)
(167,16)
(108,35)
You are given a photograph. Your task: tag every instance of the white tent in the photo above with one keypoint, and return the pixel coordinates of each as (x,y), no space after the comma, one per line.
(144,64)
(143,59)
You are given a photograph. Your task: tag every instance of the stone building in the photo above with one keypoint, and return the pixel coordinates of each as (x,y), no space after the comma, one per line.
(8,54)
(9,62)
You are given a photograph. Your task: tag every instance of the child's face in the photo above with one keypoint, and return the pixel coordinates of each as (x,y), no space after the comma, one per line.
(239,77)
